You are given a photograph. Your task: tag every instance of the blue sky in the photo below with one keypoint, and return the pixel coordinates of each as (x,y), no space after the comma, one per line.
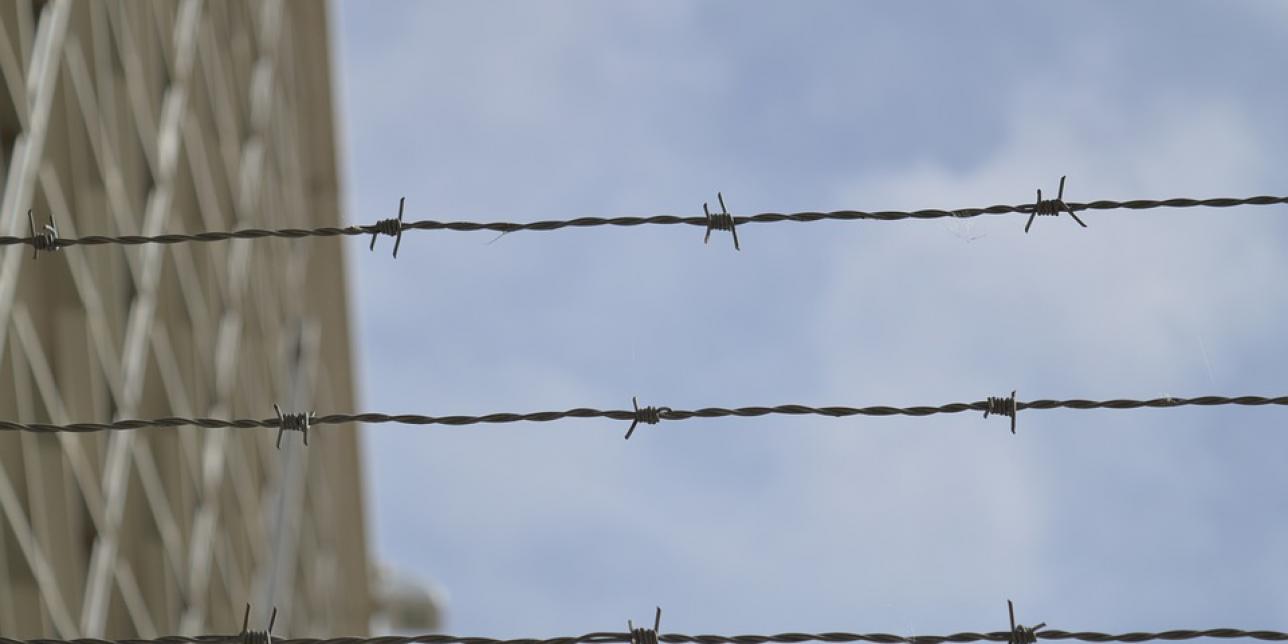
(1141,520)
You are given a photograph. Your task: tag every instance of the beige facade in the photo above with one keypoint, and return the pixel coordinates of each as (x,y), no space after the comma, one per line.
(124,118)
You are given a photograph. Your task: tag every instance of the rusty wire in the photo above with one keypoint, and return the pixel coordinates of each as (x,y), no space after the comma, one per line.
(395,227)
(648,414)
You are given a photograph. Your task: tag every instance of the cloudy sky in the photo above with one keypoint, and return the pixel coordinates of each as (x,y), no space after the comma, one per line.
(1109,520)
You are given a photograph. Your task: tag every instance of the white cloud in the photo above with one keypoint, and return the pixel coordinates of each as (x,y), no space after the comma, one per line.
(787,523)
(1155,288)
(1136,305)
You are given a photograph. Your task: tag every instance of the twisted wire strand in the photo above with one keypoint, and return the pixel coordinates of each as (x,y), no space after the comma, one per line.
(676,638)
(662,414)
(584,222)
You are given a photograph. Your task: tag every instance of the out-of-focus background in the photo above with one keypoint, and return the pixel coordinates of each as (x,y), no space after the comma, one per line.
(129,118)
(151,117)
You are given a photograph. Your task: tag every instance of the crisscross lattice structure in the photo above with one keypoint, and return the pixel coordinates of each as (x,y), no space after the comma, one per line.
(156,117)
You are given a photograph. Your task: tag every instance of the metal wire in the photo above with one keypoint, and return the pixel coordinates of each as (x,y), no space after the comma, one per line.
(295,422)
(1052,208)
(646,415)
(46,239)
(676,638)
(247,636)
(1017,635)
(634,415)
(387,227)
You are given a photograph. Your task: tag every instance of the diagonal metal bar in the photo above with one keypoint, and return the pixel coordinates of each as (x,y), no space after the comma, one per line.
(137,94)
(82,470)
(32,462)
(83,279)
(11,69)
(143,309)
(173,383)
(248,200)
(135,605)
(29,148)
(155,492)
(31,549)
(98,94)
(35,556)
(301,371)
(94,112)
(7,609)
(118,101)
(25,22)
(35,96)
(46,385)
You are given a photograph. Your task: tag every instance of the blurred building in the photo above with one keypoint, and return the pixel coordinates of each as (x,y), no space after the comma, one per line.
(405,604)
(125,118)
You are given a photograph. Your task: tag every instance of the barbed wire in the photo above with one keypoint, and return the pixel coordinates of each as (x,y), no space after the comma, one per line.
(47,240)
(1018,634)
(677,638)
(1004,406)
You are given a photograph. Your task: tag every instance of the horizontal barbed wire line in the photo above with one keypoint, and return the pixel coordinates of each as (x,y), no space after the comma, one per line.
(648,415)
(675,638)
(50,241)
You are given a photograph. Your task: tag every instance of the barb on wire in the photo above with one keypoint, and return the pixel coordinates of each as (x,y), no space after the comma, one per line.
(247,636)
(1022,634)
(643,635)
(710,220)
(1003,407)
(644,415)
(46,240)
(678,638)
(1052,207)
(720,221)
(391,227)
(293,423)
